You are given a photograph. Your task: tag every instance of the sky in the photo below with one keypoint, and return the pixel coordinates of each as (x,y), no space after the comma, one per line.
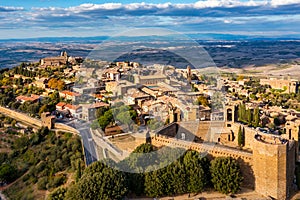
(88,18)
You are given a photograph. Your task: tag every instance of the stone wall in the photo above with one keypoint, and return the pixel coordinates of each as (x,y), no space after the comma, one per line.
(20,116)
(33,121)
(66,128)
(212,150)
(268,164)
(249,134)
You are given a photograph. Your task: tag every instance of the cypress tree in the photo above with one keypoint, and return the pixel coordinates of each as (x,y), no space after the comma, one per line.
(256,117)
(243,136)
(249,116)
(240,137)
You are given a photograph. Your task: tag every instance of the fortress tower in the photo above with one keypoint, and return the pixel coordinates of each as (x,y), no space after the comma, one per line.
(47,120)
(273,166)
(231,113)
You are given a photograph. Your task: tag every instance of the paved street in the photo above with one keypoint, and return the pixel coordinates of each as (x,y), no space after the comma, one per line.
(88,142)
(89,146)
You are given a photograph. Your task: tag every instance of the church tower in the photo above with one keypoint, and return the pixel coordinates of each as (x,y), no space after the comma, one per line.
(189,74)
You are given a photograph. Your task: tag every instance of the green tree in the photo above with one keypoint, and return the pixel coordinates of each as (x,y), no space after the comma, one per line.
(226,175)
(194,167)
(249,116)
(106,119)
(95,124)
(21,142)
(100,111)
(241,137)
(202,100)
(58,194)
(78,171)
(154,124)
(42,183)
(256,117)
(7,173)
(44,108)
(154,183)
(104,184)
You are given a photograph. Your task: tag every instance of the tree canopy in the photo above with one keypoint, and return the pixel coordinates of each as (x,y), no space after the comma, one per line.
(99,182)
(226,175)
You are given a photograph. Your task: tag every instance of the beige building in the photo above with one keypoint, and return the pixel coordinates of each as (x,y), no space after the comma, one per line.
(149,80)
(41,83)
(290,86)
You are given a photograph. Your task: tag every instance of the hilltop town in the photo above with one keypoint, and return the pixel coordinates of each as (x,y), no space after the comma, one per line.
(117,106)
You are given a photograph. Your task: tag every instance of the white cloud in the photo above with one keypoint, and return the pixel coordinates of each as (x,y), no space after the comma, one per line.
(169,7)
(10,8)
(284,2)
(208,15)
(227,3)
(90,7)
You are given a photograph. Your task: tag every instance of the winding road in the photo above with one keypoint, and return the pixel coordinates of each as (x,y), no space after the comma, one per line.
(89,145)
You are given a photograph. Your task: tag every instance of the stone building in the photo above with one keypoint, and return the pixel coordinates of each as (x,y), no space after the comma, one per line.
(290,85)
(149,80)
(55,61)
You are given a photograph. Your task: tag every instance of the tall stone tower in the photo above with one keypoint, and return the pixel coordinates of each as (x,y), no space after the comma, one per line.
(189,74)
(230,113)
(292,132)
(47,120)
(273,166)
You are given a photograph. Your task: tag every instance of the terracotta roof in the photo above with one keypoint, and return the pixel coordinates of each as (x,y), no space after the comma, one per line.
(98,105)
(135,93)
(61,104)
(33,97)
(67,92)
(72,107)
(149,91)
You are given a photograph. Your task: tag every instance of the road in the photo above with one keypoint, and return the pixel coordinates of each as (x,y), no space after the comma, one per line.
(89,146)
(87,140)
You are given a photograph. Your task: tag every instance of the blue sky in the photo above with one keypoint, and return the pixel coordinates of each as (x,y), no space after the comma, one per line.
(82,18)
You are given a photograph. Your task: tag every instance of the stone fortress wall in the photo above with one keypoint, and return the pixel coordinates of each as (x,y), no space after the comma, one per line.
(20,116)
(45,120)
(244,158)
(267,161)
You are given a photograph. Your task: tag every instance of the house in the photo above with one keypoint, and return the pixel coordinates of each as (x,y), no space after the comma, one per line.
(75,110)
(155,108)
(135,97)
(89,110)
(41,83)
(91,86)
(67,94)
(60,106)
(119,88)
(111,74)
(33,98)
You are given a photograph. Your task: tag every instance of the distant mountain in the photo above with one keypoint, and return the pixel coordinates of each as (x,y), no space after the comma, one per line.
(233,51)
(197,36)
(57,39)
